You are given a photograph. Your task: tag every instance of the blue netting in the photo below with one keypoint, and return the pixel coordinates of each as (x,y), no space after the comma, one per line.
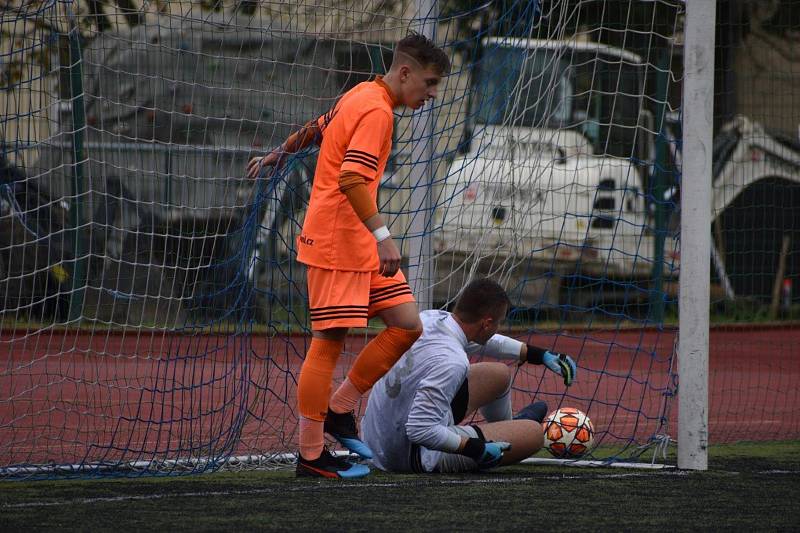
(154,318)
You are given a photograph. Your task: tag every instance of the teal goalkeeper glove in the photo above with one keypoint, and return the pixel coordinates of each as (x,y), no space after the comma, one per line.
(561,364)
(486,454)
(493,454)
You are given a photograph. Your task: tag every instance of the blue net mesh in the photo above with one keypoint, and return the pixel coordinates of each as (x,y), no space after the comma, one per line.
(154,318)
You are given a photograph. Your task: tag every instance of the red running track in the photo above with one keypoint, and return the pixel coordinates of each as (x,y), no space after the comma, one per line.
(109,396)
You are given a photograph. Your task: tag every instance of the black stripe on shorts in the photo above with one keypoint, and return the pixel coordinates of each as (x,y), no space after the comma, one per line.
(378,292)
(460,402)
(389,296)
(334,317)
(338,310)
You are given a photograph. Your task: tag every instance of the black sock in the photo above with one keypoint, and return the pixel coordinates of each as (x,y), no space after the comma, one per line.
(535,411)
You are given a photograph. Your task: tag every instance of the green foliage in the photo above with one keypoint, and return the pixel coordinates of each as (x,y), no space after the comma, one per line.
(749,310)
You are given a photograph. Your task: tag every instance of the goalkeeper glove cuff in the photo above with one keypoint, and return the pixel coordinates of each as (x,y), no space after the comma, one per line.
(487,454)
(535,356)
(474,449)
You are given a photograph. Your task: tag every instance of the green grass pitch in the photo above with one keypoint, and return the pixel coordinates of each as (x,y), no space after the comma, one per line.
(748,486)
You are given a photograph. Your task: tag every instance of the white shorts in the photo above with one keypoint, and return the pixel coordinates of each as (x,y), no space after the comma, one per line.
(449,463)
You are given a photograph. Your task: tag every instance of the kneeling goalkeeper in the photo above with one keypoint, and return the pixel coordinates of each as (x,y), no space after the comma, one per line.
(412,418)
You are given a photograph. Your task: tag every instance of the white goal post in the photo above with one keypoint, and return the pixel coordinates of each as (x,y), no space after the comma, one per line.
(698,113)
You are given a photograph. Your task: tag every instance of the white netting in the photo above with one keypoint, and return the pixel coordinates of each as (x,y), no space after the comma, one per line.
(153,314)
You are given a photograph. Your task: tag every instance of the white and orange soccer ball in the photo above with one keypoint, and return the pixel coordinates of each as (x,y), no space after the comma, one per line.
(568,433)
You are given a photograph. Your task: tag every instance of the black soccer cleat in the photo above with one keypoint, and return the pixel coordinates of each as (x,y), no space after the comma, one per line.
(330,466)
(342,427)
(535,411)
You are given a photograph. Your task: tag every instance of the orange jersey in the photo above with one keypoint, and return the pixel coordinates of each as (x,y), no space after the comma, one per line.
(356,137)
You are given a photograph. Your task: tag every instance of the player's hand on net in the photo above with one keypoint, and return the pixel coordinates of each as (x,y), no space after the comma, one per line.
(389,257)
(561,364)
(256,164)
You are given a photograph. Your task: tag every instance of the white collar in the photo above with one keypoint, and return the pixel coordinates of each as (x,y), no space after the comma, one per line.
(453,327)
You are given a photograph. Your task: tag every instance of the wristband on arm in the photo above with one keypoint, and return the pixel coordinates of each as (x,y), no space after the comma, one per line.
(535,355)
(381,234)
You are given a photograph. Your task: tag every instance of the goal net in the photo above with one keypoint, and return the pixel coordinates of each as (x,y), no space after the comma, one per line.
(153,316)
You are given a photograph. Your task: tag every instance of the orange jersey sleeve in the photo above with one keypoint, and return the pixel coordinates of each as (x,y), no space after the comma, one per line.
(362,154)
(325,119)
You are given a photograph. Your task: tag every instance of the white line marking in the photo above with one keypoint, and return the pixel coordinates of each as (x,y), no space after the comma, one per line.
(338,486)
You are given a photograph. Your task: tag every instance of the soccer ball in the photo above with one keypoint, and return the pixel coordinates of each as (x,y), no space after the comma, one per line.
(568,433)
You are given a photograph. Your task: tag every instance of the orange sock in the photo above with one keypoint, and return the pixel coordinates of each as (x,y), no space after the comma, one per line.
(377,358)
(345,398)
(312,438)
(313,392)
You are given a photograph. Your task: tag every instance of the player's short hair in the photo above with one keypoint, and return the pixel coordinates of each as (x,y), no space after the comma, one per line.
(423,51)
(480,298)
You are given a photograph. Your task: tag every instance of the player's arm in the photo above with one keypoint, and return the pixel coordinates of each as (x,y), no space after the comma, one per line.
(502,347)
(354,187)
(499,347)
(359,168)
(311,132)
(426,424)
(425,427)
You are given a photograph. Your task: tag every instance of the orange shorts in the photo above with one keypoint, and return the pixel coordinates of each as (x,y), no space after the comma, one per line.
(339,298)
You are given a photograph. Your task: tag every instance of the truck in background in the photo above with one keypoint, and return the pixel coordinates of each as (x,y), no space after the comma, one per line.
(554,192)
(551,190)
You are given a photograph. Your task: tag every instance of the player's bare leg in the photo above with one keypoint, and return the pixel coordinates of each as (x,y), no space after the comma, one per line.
(490,389)
(525,436)
(405,316)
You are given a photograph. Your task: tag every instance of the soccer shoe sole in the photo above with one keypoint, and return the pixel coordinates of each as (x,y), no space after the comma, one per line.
(354,472)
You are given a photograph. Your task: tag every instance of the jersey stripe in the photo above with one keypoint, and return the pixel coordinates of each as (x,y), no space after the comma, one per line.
(367,155)
(328,117)
(354,159)
(359,157)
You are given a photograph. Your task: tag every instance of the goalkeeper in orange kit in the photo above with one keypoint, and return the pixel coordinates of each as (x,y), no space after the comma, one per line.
(353,262)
